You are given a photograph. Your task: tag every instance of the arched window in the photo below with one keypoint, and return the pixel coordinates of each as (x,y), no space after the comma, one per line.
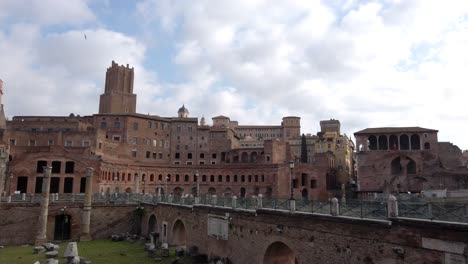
(372,142)
(220,178)
(160,177)
(415,143)
(393,142)
(411,167)
(186,178)
(242,178)
(244,157)
(129,177)
(396,166)
(427,145)
(235,178)
(253,157)
(152,177)
(204,178)
(250,178)
(228,178)
(212,178)
(177,178)
(404,142)
(383,143)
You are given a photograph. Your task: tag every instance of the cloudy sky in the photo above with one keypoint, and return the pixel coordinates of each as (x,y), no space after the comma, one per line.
(366,63)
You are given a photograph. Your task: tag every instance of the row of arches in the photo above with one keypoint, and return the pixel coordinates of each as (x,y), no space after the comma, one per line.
(276,253)
(127,177)
(225,192)
(393,142)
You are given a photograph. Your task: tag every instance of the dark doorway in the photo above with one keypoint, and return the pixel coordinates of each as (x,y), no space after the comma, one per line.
(62,227)
(22,184)
(83,185)
(68,185)
(305,195)
(38,186)
(54,185)
(242,192)
(396,166)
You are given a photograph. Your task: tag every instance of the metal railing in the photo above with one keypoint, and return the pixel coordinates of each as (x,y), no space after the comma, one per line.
(363,209)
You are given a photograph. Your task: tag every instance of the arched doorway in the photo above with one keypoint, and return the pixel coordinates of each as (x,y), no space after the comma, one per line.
(178,192)
(152,224)
(62,227)
(279,253)
(211,191)
(178,233)
(228,192)
(305,195)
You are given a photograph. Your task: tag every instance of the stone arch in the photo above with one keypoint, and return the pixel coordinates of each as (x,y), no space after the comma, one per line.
(372,142)
(177,192)
(152,224)
(279,253)
(393,140)
(404,142)
(396,165)
(244,157)
(179,233)
(411,167)
(129,190)
(253,157)
(211,191)
(415,142)
(383,142)
(305,194)
(228,192)
(427,145)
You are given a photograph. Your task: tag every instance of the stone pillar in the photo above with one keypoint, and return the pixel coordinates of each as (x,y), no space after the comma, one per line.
(23,196)
(234,202)
(136,186)
(214,200)
(259,201)
(292,205)
(392,206)
(334,207)
(41,237)
(86,216)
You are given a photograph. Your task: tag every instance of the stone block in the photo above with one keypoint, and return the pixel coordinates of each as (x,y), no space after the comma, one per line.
(38,249)
(72,250)
(51,254)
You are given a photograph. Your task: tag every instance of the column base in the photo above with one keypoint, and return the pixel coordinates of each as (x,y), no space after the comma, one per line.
(40,241)
(85,237)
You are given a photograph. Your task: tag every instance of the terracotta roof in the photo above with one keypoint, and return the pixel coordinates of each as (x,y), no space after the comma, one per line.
(381,130)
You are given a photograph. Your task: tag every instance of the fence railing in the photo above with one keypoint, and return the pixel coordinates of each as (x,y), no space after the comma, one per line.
(364,209)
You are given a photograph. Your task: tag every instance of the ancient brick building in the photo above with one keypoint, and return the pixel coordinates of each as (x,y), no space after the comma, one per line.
(407,159)
(132,152)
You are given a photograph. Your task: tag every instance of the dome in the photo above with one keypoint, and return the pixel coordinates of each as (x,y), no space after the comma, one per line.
(183,112)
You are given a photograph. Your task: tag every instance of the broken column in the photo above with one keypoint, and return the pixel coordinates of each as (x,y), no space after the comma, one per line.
(86,216)
(41,237)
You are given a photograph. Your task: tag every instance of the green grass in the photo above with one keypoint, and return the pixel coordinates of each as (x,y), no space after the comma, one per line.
(97,251)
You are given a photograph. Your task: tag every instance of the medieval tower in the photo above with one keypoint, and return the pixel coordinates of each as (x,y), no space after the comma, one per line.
(118,97)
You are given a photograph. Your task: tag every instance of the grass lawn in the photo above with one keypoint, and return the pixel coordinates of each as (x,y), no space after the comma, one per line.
(97,251)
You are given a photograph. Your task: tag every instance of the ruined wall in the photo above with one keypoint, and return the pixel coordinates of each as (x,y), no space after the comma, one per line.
(18,222)
(317,239)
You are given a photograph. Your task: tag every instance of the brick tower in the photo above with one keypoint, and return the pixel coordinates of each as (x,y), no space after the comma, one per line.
(118,95)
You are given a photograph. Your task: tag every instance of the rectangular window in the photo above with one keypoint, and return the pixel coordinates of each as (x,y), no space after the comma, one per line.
(148,154)
(32,143)
(38,187)
(149,124)
(155,124)
(135,126)
(134,140)
(166,145)
(160,155)
(313,184)
(177,155)
(213,156)
(117,125)
(189,129)
(154,155)
(116,138)
(68,143)
(189,163)
(134,153)
(69,167)
(50,142)
(155,143)
(68,185)
(85,143)
(148,142)
(103,125)
(202,163)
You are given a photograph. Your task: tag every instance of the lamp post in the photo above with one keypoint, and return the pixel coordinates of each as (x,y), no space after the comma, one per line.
(167,190)
(197,174)
(292,202)
(291,168)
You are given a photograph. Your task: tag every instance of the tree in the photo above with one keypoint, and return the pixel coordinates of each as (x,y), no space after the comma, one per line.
(304,158)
